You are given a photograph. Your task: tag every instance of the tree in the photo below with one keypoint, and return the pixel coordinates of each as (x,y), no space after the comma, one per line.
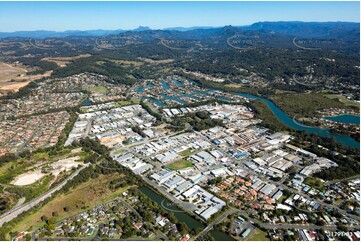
(28,237)
(44,218)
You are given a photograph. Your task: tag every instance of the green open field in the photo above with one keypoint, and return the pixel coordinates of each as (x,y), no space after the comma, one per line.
(258,235)
(132,101)
(82,197)
(343,100)
(180,164)
(38,161)
(99,89)
(305,104)
(186,152)
(135,100)
(314,182)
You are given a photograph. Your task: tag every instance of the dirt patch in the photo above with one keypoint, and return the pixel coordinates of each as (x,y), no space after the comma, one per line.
(31,177)
(15,83)
(64,165)
(128,63)
(28,178)
(64,61)
(156,61)
(11,71)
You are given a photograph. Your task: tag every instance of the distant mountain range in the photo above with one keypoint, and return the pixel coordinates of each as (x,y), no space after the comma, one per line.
(293,28)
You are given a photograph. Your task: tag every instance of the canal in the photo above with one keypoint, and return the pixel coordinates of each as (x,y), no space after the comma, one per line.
(182,216)
(345,118)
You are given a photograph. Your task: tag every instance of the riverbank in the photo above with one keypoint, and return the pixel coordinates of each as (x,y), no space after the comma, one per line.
(344,118)
(287,120)
(182,216)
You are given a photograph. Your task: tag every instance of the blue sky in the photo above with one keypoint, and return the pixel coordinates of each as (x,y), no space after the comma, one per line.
(59,16)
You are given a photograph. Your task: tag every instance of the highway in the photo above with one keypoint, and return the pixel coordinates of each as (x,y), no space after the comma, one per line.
(18,210)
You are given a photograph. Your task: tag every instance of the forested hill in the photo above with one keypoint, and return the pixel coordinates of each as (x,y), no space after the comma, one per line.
(293,28)
(310,29)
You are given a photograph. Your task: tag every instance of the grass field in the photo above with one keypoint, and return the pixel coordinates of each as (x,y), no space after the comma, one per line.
(135,100)
(305,104)
(14,76)
(117,152)
(186,152)
(84,196)
(314,182)
(180,164)
(128,63)
(343,99)
(12,169)
(64,61)
(126,103)
(258,235)
(99,89)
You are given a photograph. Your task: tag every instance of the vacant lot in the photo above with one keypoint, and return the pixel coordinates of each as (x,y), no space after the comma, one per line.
(156,61)
(99,89)
(258,235)
(64,61)
(14,76)
(11,71)
(180,164)
(84,196)
(186,152)
(28,178)
(128,63)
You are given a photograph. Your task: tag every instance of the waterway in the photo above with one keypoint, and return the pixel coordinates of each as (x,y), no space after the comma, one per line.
(290,122)
(178,83)
(344,118)
(86,102)
(165,85)
(177,99)
(189,221)
(283,117)
(168,205)
(220,236)
(139,89)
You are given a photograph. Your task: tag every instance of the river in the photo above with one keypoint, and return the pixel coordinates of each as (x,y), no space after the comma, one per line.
(290,122)
(282,116)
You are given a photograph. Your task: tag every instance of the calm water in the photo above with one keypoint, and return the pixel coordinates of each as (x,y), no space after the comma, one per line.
(139,89)
(178,83)
(165,85)
(156,101)
(86,102)
(191,96)
(288,121)
(220,236)
(345,118)
(181,216)
(177,99)
(150,85)
(190,222)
